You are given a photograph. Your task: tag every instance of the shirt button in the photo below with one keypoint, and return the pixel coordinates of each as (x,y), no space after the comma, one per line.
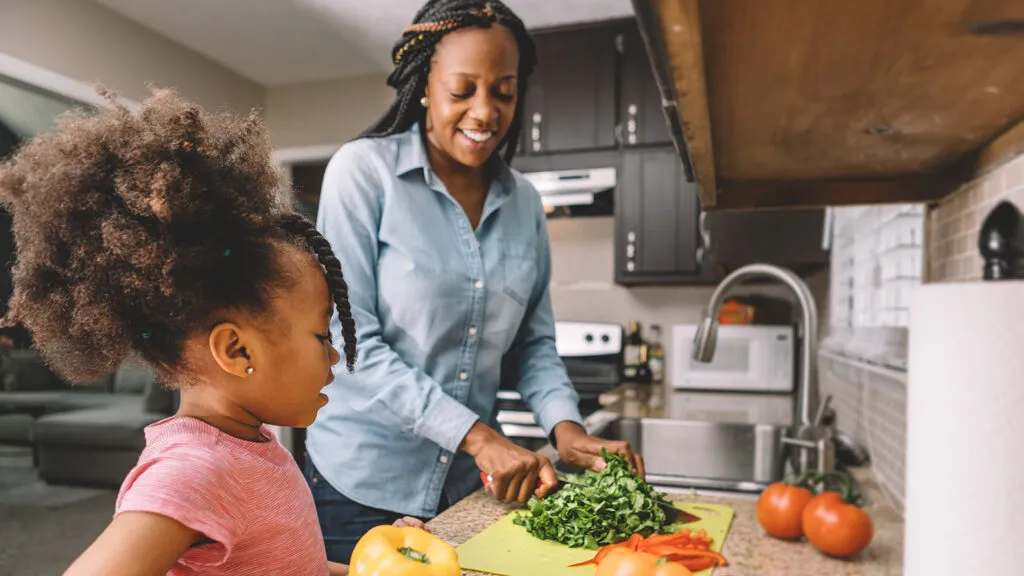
(443,459)
(463,376)
(472,330)
(479,284)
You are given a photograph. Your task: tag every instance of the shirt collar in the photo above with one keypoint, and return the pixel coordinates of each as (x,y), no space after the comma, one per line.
(413,156)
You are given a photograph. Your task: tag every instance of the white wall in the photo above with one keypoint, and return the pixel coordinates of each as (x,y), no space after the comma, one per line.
(329,112)
(90,43)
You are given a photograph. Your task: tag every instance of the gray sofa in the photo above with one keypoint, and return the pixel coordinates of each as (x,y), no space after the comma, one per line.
(90,436)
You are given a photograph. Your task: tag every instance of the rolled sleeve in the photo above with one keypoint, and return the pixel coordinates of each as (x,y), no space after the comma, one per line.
(446,422)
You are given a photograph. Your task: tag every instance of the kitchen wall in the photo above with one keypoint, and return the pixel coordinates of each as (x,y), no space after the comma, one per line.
(90,43)
(954,225)
(582,287)
(330,112)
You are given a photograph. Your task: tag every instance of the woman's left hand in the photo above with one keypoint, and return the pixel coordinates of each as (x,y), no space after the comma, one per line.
(410,522)
(577,447)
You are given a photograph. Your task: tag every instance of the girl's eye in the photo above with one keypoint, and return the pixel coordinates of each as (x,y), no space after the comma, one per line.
(461,95)
(326,337)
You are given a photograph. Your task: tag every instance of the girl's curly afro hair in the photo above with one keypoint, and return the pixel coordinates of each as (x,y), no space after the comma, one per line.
(134,230)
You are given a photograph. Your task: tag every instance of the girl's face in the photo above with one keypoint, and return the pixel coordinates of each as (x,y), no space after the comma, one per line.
(291,352)
(472,89)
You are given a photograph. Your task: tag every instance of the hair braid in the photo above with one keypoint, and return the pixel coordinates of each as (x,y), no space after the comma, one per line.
(413,52)
(301,227)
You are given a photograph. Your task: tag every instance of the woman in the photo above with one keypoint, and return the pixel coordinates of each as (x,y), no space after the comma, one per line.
(447,255)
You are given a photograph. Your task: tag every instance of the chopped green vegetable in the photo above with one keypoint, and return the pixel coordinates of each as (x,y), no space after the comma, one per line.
(612,505)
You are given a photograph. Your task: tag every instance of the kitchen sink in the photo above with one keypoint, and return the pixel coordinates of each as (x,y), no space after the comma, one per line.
(702,455)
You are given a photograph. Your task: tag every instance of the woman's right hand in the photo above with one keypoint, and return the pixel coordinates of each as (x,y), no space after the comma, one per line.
(514,470)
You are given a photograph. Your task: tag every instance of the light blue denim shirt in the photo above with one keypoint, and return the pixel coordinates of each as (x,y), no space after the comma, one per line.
(442,313)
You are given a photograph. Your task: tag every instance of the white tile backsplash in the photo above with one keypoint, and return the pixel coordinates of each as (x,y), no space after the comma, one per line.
(955,223)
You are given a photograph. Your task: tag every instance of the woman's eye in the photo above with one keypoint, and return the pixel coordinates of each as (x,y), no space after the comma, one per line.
(461,95)
(326,337)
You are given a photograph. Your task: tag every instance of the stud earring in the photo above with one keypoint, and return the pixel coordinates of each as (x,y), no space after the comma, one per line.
(424,101)
(249,370)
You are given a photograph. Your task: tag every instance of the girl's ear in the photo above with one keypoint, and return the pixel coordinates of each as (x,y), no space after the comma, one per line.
(228,347)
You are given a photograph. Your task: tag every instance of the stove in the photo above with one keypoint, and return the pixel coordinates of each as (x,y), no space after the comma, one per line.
(592,354)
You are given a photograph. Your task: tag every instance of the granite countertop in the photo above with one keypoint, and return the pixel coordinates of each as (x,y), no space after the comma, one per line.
(750,552)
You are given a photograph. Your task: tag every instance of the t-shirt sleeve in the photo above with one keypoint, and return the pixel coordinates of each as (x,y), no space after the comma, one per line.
(199,489)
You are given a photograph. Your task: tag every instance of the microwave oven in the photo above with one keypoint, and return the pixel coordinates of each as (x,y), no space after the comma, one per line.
(748,358)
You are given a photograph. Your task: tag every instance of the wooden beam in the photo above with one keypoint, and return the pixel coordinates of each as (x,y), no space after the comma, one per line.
(681,32)
(805,194)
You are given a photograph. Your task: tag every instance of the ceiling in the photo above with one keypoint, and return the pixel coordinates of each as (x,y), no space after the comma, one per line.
(276,42)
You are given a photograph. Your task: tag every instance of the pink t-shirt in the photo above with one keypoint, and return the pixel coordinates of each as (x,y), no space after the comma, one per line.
(248,497)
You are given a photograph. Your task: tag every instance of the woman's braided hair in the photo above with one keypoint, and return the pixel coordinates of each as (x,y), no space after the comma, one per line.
(136,230)
(412,54)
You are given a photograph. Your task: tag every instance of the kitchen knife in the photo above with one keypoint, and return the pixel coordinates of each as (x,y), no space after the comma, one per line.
(487,479)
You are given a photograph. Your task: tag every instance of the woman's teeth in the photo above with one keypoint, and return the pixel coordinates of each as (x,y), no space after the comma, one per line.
(478,136)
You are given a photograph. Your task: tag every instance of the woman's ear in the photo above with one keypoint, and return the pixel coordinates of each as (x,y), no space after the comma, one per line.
(228,347)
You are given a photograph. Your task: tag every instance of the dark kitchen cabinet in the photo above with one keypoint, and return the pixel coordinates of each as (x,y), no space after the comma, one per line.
(787,237)
(656,221)
(570,102)
(640,113)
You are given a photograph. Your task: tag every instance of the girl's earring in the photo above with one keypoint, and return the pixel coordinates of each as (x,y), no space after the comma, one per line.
(249,370)
(424,101)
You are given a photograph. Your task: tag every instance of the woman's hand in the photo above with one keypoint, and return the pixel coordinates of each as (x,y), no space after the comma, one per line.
(514,470)
(410,522)
(577,447)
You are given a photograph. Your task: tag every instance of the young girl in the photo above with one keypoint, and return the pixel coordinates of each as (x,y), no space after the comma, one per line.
(162,236)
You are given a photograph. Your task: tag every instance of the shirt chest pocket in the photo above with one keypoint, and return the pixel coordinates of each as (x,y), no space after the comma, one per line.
(519,271)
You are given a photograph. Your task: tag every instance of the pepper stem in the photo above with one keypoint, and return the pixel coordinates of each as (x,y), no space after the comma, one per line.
(414,555)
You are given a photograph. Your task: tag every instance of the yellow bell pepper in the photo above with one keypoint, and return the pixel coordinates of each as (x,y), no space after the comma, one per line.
(392,551)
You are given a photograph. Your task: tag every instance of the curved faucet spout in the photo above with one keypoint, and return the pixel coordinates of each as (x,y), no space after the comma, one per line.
(707,331)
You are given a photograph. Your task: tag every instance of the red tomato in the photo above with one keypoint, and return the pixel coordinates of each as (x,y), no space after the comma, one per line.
(780,510)
(835,527)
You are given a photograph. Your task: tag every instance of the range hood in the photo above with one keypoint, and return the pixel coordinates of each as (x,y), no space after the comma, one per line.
(559,188)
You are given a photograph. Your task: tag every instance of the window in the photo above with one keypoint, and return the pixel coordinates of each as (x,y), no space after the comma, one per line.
(877,261)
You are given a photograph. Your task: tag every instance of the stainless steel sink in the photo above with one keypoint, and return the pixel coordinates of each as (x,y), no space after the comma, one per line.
(704,455)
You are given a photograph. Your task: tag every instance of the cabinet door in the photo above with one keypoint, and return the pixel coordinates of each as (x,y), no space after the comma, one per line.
(570,102)
(791,237)
(643,121)
(656,220)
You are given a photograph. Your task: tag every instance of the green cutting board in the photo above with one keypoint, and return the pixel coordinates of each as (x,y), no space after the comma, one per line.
(509,550)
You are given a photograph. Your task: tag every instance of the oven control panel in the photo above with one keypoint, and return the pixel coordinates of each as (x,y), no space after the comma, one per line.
(587,339)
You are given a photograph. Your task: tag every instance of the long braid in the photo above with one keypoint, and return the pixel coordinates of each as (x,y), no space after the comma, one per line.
(413,52)
(298,225)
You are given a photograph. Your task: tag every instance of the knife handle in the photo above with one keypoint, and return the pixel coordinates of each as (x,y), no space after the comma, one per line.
(486,479)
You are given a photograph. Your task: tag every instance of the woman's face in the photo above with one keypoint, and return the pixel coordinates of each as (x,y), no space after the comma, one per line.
(472,91)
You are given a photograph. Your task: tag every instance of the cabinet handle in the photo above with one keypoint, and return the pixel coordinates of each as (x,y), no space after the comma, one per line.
(535,131)
(705,236)
(630,251)
(631,125)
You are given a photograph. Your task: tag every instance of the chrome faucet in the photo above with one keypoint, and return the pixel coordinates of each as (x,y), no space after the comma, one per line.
(809,433)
